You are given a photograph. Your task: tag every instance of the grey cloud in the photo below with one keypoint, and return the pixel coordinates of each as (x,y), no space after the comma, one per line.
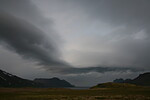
(99,69)
(32,43)
(24,9)
(28,41)
(129,45)
(19,32)
(118,11)
(22,29)
(134,14)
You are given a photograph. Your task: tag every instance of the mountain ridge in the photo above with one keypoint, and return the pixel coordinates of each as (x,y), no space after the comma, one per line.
(9,80)
(53,82)
(142,79)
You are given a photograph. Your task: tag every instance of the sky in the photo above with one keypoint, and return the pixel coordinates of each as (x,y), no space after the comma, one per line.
(85,42)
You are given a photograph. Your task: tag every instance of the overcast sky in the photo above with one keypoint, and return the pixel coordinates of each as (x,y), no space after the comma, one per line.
(85,42)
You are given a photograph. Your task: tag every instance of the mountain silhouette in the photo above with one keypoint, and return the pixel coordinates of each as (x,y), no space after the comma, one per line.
(142,79)
(53,82)
(9,80)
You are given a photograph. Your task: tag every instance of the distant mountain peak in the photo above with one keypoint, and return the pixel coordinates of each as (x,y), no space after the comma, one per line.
(9,80)
(142,79)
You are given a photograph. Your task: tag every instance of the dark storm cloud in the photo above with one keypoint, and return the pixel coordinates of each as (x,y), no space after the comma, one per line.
(27,40)
(24,9)
(31,43)
(19,32)
(98,69)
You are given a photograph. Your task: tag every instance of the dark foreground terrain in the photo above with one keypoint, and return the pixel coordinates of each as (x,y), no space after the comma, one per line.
(141,93)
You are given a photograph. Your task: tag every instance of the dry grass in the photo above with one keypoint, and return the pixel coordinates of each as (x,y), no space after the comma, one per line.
(68,94)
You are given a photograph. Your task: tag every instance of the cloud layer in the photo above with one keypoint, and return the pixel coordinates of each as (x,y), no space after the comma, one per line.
(112,35)
(28,41)
(105,32)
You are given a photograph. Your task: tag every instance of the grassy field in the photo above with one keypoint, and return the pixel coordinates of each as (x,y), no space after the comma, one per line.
(68,94)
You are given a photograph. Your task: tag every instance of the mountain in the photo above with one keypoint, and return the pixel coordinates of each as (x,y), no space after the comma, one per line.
(122,80)
(9,80)
(142,79)
(53,82)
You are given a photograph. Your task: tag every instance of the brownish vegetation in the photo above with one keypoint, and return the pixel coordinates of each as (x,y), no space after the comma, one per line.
(142,93)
